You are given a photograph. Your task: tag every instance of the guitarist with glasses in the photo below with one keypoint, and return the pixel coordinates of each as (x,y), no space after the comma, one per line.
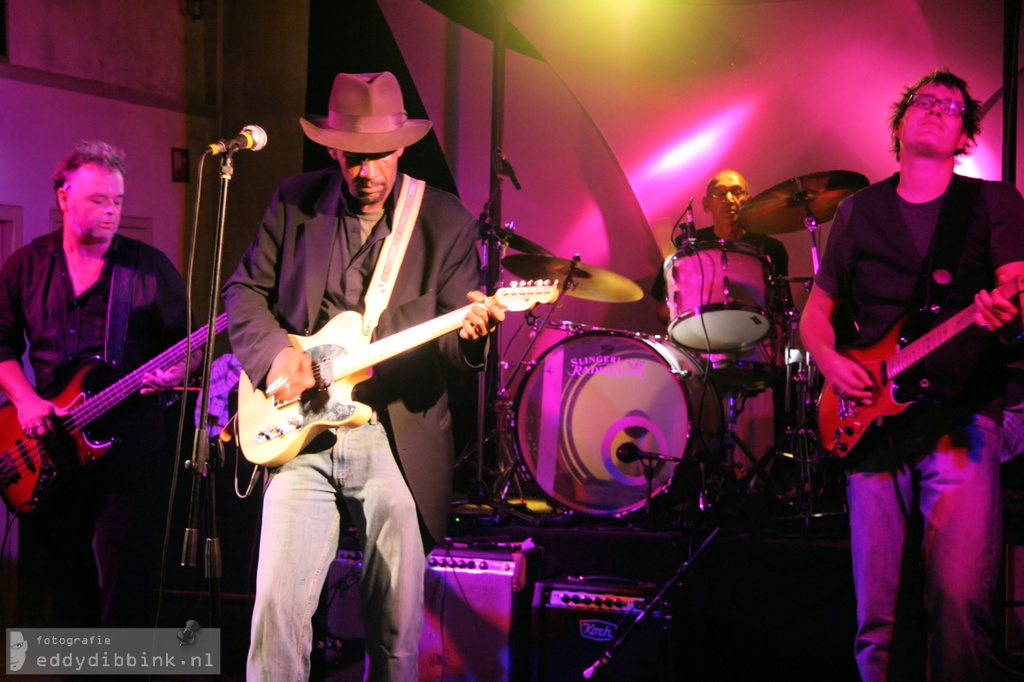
(324,252)
(919,425)
(90,305)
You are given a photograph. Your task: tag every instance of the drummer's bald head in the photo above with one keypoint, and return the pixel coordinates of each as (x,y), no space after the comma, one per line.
(726,177)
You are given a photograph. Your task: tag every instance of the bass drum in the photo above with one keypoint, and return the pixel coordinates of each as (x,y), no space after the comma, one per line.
(597,390)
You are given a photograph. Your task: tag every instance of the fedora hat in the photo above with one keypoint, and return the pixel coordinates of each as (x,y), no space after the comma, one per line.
(365,115)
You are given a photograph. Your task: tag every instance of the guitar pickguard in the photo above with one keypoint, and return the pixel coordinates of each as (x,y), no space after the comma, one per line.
(327,402)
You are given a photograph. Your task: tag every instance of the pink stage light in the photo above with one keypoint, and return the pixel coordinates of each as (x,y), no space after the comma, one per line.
(673,173)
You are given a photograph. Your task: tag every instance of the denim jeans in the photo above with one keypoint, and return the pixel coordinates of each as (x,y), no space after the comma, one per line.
(300,534)
(950,502)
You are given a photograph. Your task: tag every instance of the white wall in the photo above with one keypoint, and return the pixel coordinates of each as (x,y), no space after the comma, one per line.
(47,122)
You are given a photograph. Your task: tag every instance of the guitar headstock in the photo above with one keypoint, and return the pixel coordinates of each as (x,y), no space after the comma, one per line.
(523,295)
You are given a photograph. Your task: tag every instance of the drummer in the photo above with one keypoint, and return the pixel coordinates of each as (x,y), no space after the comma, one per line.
(764,420)
(726,194)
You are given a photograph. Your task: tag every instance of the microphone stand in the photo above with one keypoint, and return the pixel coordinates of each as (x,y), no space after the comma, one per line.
(488,380)
(621,635)
(204,464)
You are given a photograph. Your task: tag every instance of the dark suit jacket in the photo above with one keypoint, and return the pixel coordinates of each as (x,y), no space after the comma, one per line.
(278,289)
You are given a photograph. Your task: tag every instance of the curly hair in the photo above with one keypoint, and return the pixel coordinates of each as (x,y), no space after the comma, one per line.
(89,151)
(971,115)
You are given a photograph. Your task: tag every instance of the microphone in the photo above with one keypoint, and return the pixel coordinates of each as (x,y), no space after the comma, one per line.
(505,168)
(252,137)
(628,452)
(688,226)
(689,230)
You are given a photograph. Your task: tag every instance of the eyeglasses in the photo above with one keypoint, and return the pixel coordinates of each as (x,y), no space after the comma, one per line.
(738,193)
(950,107)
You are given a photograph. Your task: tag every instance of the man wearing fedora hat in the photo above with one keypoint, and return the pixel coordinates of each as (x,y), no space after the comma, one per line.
(313,258)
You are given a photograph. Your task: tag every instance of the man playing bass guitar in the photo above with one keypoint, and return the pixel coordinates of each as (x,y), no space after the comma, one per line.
(924,479)
(75,294)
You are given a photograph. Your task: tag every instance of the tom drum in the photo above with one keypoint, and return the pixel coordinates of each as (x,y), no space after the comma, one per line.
(717,296)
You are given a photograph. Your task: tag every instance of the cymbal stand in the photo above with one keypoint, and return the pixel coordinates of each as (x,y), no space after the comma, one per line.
(488,381)
(503,403)
(810,222)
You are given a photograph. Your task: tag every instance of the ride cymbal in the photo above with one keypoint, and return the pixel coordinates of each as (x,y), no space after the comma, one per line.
(785,207)
(588,281)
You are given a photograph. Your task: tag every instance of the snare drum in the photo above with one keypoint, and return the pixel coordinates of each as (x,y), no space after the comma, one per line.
(597,390)
(717,296)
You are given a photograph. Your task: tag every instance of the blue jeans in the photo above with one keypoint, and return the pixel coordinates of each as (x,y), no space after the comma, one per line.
(301,526)
(952,494)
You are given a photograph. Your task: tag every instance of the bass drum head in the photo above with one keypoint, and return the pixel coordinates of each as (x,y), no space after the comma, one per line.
(590,394)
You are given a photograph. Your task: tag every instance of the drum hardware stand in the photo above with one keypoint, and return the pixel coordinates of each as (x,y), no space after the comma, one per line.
(805,445)
(629,452)
(506,468)
(731,441)
(622,634)
(810,222)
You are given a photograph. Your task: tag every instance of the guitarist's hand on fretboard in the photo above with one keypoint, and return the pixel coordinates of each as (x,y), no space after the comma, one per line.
(992,310)
(482,318)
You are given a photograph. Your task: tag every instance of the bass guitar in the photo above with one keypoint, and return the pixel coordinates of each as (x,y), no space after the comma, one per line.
(271,432)
(843,422)
(28,465)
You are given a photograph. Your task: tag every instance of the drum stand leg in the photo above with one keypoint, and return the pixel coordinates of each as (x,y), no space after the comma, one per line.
(732,441)
(805,448)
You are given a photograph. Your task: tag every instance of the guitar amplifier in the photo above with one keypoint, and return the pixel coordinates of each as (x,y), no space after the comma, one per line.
(475,622)
(575,622)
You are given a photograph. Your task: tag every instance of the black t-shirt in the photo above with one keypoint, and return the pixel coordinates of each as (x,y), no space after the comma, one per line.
(873,267)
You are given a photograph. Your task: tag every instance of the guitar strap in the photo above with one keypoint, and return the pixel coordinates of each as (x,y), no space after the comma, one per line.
(947,245)
(119,305)
(403,222)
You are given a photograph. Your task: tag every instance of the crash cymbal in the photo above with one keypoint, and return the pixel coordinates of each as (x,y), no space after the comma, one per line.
(784,207)
(518,243)
(590,282)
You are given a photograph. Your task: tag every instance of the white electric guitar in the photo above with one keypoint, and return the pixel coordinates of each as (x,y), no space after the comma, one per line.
(273,432)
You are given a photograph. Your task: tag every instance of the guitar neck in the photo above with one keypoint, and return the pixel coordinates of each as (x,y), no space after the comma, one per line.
(917,350)
(131,383)
(398,343)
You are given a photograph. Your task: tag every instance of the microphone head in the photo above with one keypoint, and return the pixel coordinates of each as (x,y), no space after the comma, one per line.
(258,135)
(627,452)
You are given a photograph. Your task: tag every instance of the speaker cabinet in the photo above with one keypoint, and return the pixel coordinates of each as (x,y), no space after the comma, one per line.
(475,622)
(576,622)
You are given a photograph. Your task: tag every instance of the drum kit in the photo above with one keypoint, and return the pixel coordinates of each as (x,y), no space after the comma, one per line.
(602,419)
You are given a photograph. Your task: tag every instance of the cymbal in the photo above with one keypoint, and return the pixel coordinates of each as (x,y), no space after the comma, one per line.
(797,280)
(590,282)
(518,243)
(784,207)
